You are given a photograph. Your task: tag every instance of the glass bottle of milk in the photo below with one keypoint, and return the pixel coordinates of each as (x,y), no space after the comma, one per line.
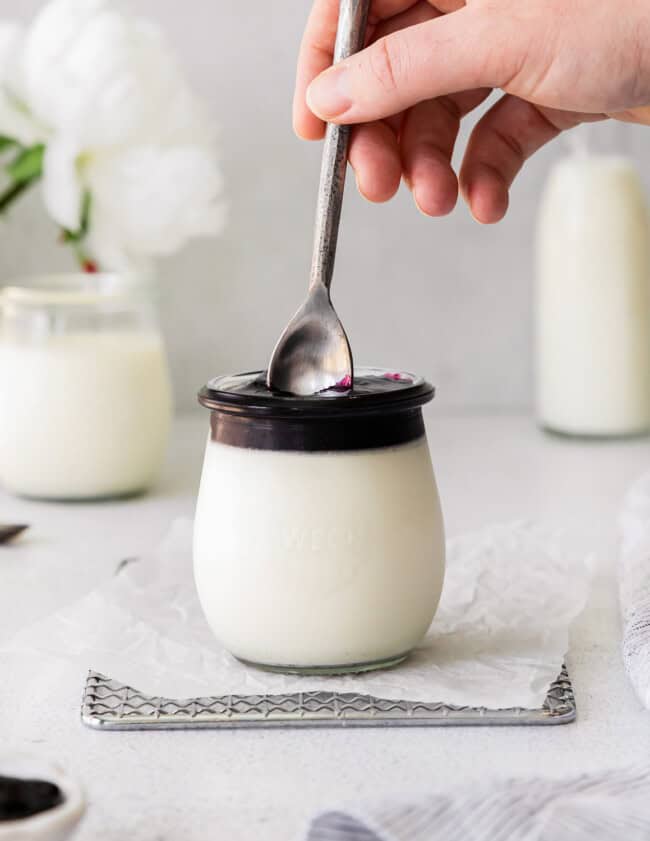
(85,399)
(593,299)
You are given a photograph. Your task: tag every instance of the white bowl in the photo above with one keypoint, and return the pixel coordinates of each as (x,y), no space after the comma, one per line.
(55,824)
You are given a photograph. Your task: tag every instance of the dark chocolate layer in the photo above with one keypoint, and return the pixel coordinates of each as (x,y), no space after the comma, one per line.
(317,434)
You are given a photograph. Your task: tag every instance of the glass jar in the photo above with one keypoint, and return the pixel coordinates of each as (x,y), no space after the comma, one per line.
(85,397)
(319,541)
(593,299)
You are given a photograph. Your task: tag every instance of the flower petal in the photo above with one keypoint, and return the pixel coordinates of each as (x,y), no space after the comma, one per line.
(107,76)
(154,199)
(15,120)
(62,187)
(10,35)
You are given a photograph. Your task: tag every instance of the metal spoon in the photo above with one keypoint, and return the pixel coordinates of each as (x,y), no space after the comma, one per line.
(313,352)
(8,532)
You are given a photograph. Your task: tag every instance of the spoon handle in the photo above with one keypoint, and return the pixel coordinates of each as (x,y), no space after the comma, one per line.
(353,15)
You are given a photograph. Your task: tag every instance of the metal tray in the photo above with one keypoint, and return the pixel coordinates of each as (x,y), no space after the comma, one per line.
(110,705)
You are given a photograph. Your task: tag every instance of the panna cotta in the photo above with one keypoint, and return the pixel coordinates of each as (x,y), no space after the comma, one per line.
(85,394)
(319,542)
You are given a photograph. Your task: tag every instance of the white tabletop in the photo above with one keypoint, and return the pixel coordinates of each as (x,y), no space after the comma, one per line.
(249,785)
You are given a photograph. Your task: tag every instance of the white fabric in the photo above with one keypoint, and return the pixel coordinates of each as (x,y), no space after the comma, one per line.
(499,639)
(634,586)
(612,806)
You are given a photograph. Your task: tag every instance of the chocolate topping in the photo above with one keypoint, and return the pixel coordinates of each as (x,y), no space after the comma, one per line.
(381,409)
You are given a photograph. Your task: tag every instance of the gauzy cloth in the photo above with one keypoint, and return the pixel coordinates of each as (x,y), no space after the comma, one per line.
(610,806)
(634,586)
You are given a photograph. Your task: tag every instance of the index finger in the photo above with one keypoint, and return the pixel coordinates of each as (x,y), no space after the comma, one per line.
(317,50)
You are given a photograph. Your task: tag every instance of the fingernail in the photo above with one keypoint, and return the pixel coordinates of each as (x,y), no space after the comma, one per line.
(418,205)
(359,187)
(328,96)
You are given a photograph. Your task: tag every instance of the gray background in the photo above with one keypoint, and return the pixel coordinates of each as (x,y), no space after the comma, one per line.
(447,298)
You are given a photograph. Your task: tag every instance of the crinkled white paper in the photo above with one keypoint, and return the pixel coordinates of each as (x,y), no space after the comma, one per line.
(498,640)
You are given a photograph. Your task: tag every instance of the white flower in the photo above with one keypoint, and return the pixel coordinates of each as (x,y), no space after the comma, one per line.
(118,120)
(150,200)
(15,122)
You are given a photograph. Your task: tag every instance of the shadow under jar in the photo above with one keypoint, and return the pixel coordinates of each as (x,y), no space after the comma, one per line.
(319,541)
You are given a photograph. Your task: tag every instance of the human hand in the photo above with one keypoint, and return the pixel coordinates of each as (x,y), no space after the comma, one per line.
(429,63)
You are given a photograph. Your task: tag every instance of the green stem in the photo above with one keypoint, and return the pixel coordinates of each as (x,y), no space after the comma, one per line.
(31,159)
(16,190)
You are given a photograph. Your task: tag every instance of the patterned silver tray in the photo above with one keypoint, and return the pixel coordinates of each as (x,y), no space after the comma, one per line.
(109,705)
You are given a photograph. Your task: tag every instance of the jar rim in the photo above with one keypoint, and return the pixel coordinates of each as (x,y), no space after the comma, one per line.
(73,288)
(375,391)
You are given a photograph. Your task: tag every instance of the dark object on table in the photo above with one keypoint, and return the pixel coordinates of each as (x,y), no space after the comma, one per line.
(9,532)
(24,798)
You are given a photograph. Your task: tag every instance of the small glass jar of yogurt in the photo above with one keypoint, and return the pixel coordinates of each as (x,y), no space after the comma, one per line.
(319,541)
(85,396)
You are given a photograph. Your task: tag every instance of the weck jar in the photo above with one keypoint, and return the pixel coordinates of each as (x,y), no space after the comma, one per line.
(85,397)
(319,541)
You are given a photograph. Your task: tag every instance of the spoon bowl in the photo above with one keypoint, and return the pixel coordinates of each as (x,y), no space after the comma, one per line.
(313,354)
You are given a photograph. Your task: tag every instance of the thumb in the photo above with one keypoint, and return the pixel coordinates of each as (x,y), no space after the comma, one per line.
(460,51)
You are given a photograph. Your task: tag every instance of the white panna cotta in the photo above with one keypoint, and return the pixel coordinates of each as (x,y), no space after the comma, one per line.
(83,414)
(319,543)
(85,394)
